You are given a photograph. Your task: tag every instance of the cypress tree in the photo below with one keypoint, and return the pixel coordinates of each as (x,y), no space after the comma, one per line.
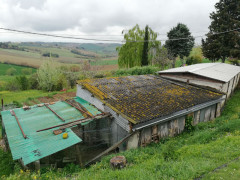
(145,48)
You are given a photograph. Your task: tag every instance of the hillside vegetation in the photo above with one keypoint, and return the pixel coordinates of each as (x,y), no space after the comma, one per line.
(187,156)
(32,54)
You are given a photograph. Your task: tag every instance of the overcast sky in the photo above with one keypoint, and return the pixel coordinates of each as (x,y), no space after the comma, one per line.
(103,18)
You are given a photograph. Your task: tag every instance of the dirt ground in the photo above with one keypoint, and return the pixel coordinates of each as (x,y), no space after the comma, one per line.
(57,97)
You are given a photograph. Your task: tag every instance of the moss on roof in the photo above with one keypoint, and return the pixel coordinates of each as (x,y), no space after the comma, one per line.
(146,97)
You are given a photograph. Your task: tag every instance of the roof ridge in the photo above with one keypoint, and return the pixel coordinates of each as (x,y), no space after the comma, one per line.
(212,64)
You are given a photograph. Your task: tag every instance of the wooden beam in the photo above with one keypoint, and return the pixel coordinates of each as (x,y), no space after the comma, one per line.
(80,109)
(54,112)
(19,125)
(99,116)
(109,149)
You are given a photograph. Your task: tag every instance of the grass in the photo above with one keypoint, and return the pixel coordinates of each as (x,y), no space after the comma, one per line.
(104,62)
(5,67)
(25,96)
(232,170)
(186,156)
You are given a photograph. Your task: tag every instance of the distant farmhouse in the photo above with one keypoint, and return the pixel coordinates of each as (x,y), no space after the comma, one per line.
(111,114)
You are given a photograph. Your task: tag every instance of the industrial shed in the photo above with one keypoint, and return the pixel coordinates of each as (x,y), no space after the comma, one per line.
(34,134)
(148,106)
(217,76)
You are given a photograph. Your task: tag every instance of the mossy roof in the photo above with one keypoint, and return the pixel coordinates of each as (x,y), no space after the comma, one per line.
(146,97)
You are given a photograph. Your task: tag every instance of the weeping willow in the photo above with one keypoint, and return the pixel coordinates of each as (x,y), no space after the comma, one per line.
(130,53)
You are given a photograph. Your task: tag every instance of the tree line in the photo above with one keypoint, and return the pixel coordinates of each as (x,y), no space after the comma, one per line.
(142,48)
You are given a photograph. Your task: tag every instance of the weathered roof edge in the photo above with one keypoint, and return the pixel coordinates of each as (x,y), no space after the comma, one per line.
(181,70)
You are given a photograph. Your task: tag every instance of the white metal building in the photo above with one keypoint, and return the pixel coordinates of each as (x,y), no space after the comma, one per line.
(219,76)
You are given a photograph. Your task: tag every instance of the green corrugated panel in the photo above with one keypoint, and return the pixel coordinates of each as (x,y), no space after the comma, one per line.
(67,112)
(93,110)
(41,144)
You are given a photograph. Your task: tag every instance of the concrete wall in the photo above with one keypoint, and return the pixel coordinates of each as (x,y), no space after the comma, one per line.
(172,128)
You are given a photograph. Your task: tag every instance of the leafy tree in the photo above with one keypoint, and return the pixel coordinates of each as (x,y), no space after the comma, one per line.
(48,75)
(180,42)
(11,71)
(130,53)
(161,57)
(70,75)
(145,48)
(223,38)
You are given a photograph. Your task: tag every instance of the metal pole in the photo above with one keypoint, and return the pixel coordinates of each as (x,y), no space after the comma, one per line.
(13,113)
(88,114)
(2,105)
(55,113)
(80,121)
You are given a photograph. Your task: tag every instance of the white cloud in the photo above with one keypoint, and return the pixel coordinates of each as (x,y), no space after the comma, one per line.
(101,17)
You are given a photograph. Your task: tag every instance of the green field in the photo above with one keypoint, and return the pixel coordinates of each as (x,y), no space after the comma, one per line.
(24,96)
(5,67)
(104,62)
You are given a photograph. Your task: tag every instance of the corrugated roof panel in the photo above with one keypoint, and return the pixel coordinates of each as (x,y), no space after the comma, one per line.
(93,110)
(44,143)
(218,71)
(38,144)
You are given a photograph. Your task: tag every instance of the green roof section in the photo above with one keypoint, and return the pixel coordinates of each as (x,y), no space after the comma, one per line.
(44,143)
(93,110)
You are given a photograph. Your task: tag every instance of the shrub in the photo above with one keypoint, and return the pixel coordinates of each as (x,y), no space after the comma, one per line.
(169,150)
(13,85)
(11,71)
(194,59)
(48,54)
(23,82)
(189,124)
(26,71)
(75,68)
(137,71)
(33,81)
(61,83)
(48,75)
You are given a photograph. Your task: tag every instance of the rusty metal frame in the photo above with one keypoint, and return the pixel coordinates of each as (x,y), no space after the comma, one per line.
(80,121)
(81,110)
(54,112)
(19,125)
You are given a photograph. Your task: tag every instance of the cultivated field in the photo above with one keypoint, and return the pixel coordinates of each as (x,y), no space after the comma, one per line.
(95,54)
